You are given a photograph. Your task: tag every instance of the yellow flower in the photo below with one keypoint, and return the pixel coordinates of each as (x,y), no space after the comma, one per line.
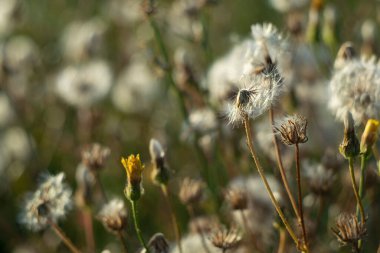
(369,136)
(133,167)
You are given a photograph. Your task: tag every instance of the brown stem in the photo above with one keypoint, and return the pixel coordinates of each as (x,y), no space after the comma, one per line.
(266,184)
(282,242)
(64,238)
(88,229)
(172,216)
(100,186)
(281,168)
(300,205)
(199,229)
(122,240)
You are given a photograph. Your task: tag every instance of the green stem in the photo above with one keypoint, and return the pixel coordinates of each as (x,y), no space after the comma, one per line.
(137,227)
(354,186)
(363,164)
(265,181)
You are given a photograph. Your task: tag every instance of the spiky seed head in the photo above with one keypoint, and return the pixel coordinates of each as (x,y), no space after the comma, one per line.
(349,230)
(292,129)
(225,239)
(237,198)
(94,156)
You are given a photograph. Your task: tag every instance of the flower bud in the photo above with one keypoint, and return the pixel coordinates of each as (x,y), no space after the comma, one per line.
(349,147)
(134,169)
(369,136)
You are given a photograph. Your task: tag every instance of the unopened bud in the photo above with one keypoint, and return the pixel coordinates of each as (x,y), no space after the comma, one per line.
(160,173)
(369,136)
(349,147)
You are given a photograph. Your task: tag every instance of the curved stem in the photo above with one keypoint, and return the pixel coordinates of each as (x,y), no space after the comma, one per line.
(64,238)
(282,242)
(300,205)
(137,227)
(266,184)
(177,232)
(281,168)
(122,240)
(354,186)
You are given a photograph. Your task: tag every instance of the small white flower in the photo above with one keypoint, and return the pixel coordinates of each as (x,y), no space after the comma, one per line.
(84,85)
(49,203)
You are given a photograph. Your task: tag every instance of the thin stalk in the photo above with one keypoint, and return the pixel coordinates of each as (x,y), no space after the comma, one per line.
(100,186)
(282,241)
(88,229)
(137,227)
(363,163)
(300,205)
(64,238)
(122,240)
(266,184)
(177,232)
(199,230)
(354,186)
(281,168)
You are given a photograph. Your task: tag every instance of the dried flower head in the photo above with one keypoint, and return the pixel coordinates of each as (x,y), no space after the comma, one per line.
(225,239)
(49,203)
(134,168)
(292,129)
(203,224)
(114,215)
(349,230)
(94,156)
(158,244)
(191,191)
(160,173)
(237,198)
(350,145)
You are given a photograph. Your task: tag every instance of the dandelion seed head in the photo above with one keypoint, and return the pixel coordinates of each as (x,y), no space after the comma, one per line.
(84,85)
(354,89)
(83,39)
(49,203)
(191,191)
(320,178)
(114,215)
(94,156)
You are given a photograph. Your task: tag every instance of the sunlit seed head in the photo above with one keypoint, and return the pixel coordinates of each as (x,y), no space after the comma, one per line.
(225,239)
(48,204)
(113,215)
(292,129)
(94,156)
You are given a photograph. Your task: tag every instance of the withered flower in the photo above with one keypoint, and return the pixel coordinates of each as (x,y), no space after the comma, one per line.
(160,173)
(292,129)
(237,198)
(94,156)
(225,239)
(350,146)
(349,230)
(191,191)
